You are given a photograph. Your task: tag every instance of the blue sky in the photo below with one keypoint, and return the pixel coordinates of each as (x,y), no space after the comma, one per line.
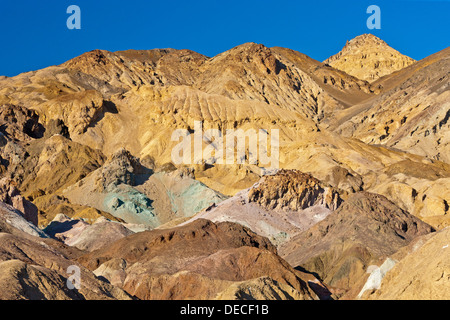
(34,33)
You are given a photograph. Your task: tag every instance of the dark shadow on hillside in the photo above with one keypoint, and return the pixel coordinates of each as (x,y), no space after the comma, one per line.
(108,107)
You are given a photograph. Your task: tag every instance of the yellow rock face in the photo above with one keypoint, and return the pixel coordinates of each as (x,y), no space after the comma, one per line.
(368,58)
(137,99)
(424,273)
(368,120)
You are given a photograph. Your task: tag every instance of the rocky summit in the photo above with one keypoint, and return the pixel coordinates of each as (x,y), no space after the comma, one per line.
(369,58)
(355,204)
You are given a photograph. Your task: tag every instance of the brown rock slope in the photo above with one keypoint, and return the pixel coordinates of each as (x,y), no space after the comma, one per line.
(52,165)
(33,268)
(9,194)
(368,58)
(21,281)
(365,230)
(136,99)
(412,113)
(196,261)
(86,237)
(422,272)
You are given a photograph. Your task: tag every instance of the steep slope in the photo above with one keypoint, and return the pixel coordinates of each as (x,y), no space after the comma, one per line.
(56,163)
(133,193)
(12,219)
(47,167)
(411,114)
(20,281)
(368,58)
(9,194)
(278,77)
(345,89)
(422,274)
(36,268)
(365,230)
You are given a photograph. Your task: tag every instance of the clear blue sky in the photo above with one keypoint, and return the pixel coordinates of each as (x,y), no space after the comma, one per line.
(34,33)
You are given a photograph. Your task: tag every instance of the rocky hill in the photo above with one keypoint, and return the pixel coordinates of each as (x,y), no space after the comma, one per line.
(411,114)
(369,58)
(365,230)
(362,176)
(198,261)
(421,271)
(279,206)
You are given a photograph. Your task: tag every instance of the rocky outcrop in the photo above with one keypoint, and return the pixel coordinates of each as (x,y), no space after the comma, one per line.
(122,168)
(279,206)
(20,123)
(293,190)
(12,219)
(78,110)
(10,195)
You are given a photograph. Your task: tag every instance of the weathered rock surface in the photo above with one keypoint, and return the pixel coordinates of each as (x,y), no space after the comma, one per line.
(91,138)
(9,194)
(37,269)
(365,230)
(12,219)
(412,112)
(421,274)
(127,190)
(89,240)
(293,190)
(20,123)
(196,261)
(279,206)
(368,58)
(21,281)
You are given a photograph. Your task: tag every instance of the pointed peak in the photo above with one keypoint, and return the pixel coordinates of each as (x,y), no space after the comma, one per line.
(94,57)
(366,39)
(247,48)
(367,57)
(241,52)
